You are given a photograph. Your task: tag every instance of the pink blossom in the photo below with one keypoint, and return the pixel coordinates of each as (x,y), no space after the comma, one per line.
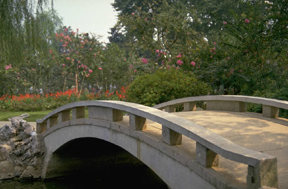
(144,60)
(65,29)
(215,43)
(100,68)
(179,55)
(62,34)
(63,65)
(50,51)
(132,13)
(8,67)
(193,63)
(68,58)
(56,34)
(224,22)
(131,66)
(247,21)
(157,51)
(145,19)
(179,62)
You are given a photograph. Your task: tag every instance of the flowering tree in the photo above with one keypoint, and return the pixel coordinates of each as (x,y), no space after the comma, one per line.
(162,32)
(77,55)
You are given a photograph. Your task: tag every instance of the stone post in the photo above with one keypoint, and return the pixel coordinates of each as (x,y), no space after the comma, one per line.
(270,111)
(264,173)
(51,122)
(171,137)
(41,127)
(189,106)
(78,112)
(64,116)
(137,123)
(205,156)
(170,108)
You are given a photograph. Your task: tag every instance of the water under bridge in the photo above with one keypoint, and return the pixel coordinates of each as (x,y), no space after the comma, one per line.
(223,146)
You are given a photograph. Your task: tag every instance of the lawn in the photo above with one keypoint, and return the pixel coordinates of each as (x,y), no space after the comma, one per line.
(32,118)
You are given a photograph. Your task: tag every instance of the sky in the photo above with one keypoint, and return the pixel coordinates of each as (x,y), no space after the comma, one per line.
(92,16)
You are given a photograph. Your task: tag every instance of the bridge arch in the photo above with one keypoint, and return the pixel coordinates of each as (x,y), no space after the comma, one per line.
(150,156)
(164,153)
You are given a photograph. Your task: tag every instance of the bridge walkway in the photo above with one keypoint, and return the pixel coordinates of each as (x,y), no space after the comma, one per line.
(250,130)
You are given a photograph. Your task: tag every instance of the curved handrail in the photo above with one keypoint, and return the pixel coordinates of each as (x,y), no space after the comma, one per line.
(203,137)
(236,98)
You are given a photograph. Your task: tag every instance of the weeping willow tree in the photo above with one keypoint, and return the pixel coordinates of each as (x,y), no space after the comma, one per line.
(24,39)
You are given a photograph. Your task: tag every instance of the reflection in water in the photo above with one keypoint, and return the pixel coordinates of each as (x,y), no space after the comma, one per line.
(138,177)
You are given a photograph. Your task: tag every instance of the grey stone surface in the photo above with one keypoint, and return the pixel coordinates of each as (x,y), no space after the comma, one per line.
(20,148)
(132,140)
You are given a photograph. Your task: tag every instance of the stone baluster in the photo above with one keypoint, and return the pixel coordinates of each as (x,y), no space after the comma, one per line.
(64,116)
(41,127)
(205,156)
(270,111)
(264,173)
(51,122)
(170,108)
(189,106)
(137,123)
(171,137)
(78,112)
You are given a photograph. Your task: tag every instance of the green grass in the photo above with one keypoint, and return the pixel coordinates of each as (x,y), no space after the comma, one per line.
(32,118)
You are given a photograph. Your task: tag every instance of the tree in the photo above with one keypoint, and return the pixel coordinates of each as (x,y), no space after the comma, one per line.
(21,40)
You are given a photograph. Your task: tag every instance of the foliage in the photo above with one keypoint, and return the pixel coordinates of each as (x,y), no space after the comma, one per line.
(245,48)
(163,86)
(30,102)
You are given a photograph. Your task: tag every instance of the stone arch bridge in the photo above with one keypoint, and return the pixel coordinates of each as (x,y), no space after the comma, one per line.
(181,152)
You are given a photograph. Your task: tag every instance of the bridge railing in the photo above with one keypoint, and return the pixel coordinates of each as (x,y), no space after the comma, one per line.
(262,168)
(235,103)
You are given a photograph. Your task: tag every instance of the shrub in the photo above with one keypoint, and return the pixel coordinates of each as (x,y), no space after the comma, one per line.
(165,85)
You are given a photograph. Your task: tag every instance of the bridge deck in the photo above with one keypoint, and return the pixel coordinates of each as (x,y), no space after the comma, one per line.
(249,130)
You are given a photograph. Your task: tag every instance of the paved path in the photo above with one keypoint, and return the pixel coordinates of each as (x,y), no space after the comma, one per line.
(249,130)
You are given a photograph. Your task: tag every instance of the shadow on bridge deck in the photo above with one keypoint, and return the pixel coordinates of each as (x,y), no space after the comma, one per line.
(249,130)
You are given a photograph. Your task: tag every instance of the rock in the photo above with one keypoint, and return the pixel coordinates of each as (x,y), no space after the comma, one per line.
(6,170)
(21,150)
(18,170)
(23,135)
(30,173)
(28,129)
(4,152)
(7,132)
(21,117)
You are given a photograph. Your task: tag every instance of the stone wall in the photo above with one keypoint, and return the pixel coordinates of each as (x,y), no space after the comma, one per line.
(21,150)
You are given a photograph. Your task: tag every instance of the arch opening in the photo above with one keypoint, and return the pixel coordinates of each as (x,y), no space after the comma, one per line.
(95,161)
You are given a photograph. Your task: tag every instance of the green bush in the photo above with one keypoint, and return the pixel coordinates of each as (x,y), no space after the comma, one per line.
(165,85)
